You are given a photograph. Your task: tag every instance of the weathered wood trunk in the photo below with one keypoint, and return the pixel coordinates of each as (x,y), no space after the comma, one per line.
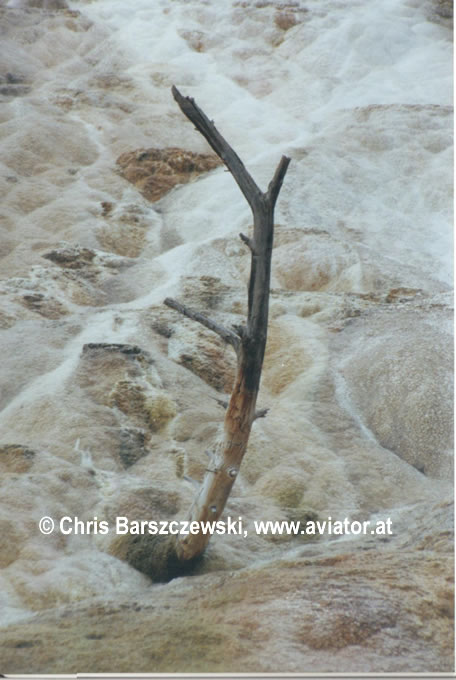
(248,341)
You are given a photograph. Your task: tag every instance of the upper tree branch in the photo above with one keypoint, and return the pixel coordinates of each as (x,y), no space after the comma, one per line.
(276,183)
(224,333)
(221,147)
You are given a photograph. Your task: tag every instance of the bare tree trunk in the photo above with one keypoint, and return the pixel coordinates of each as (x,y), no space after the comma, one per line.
(248,341)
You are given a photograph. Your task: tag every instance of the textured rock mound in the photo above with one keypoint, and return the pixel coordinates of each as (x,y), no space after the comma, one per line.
(402,390)
(156,171)
(308,259)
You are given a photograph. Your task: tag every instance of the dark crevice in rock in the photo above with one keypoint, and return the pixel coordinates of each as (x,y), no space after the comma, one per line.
(155,556)
(132,351)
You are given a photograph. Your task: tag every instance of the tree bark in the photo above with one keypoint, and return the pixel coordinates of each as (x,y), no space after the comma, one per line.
(248,341)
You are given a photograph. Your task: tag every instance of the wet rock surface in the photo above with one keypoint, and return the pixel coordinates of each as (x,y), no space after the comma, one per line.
(365,608)
(110,401)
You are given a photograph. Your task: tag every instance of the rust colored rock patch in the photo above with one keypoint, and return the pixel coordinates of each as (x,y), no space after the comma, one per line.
(16,458)
(156,171)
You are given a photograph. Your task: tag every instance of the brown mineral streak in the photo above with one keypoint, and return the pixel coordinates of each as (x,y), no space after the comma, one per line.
(248,341)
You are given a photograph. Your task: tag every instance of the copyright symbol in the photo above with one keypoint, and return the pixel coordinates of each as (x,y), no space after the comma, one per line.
(46,525)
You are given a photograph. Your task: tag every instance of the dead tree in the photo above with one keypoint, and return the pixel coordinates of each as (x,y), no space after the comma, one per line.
(248,341)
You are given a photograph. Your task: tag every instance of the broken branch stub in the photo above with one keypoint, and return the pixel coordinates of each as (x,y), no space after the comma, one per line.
(249,341)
